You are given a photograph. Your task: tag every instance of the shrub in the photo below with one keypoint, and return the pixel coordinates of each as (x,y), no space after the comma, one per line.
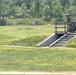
(47,19)
(58,21)
(2,22)
(26,21)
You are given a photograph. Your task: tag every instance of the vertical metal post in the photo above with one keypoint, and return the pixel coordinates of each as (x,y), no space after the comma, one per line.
(55,28)
(65,28)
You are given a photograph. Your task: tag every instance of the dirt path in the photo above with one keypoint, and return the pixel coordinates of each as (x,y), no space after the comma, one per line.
(38,73)
(32,47)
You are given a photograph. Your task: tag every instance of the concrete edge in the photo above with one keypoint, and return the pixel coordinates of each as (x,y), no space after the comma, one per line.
(45,40)
(57,40)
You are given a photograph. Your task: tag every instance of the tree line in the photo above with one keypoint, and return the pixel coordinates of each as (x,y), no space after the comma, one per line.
(37,8)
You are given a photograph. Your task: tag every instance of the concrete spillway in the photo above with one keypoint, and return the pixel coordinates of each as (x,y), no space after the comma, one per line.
(57,40)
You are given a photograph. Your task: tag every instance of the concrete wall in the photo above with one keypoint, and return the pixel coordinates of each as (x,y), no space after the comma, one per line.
(48,41)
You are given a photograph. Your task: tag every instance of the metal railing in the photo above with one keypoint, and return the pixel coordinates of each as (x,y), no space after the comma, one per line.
(61,28)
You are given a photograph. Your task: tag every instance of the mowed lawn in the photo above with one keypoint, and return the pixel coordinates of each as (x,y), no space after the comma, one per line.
(37,59)
(24,35)
(21,31)
(20,57)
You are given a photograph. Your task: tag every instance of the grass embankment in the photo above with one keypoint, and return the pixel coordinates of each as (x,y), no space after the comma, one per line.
(72,43)
(37,59)
(27,21)
(24,35)
(29,41)
(27,35)
(33,59)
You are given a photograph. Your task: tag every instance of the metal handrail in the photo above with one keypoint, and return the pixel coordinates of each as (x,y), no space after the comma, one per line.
(59,26)
(57,40)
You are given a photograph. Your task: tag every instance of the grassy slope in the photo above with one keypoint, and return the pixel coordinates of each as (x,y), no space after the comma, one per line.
(71,43)
(27,35)
(29,41)
(33,59)
(37,59)
(24,35)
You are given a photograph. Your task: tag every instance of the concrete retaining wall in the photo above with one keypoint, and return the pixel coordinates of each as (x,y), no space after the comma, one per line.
(48,41)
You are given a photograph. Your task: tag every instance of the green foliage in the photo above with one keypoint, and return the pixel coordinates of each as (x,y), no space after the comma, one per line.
(48,19)
(32,11)
(53,21)
(2,22)
(72,11)
(47,13)
(28,21)
(57,11)
(24,10)
(36,8)
(65,4)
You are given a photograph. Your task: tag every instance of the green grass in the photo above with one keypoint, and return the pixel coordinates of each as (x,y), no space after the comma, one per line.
(33,59)
(71,43)
(29,41)
(37,59)
(24,35)
(27,21)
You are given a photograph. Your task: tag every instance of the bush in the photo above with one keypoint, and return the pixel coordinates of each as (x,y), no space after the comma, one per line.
(58,21)
(26,21)
(47,19)
(2,22)
(53,20)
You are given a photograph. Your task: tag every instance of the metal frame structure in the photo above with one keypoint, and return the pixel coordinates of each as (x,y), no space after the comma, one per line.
(62,27)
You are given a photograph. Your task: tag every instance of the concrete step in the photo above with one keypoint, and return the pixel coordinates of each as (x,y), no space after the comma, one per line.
(61,42)
(55,41)
(58,44)
(64,39)
(70,35)
(67,38)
